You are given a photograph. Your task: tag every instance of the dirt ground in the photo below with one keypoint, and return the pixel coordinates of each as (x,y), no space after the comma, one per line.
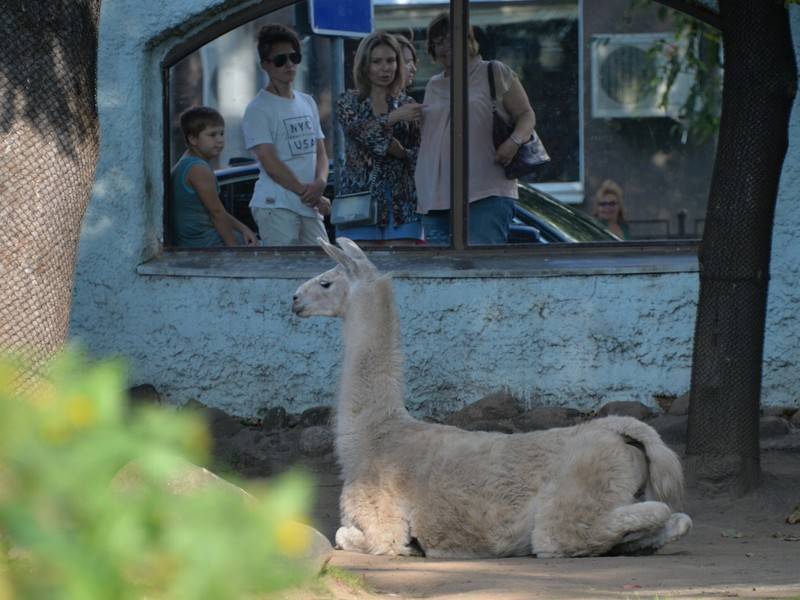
(737,549)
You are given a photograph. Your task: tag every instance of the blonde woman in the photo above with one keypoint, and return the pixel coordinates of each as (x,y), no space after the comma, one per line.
(609,209)
(409,58)
(381,127)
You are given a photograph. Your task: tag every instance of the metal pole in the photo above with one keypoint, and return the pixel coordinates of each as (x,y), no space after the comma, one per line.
(337,89)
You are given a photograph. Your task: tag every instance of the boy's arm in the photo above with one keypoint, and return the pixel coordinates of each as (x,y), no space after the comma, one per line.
(277,169)
(247,233)
(314,191)
(202,180)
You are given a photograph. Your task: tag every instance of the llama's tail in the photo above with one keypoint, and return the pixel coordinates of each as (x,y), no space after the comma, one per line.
(665,479)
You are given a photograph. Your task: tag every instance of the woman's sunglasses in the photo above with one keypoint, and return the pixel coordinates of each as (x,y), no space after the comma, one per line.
(280,59)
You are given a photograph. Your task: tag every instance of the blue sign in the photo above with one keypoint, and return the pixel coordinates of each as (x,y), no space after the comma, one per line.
(347,18)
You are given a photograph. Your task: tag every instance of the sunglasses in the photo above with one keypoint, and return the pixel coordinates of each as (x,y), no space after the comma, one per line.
(607,203)
(280,59)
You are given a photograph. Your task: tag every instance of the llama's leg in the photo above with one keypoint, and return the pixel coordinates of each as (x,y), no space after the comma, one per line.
(677,526)
(576,512)
(373,522)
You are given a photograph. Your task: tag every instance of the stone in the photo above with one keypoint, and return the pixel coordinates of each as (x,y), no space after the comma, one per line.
(772,427)
(144,394)
(498,426)
(546,417)
(494,407)
(795,421)
(318,415)
(625,408)
(190,478)
(777,411)
(671,428)
(220,423)
(316,441)
(274,419)
(680,406)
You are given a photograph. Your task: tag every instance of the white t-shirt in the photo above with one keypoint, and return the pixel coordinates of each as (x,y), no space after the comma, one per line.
(292,126)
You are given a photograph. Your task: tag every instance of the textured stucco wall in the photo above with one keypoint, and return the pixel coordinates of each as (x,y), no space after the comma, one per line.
(233,343)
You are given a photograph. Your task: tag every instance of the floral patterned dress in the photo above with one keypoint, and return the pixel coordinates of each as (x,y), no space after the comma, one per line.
(368,166)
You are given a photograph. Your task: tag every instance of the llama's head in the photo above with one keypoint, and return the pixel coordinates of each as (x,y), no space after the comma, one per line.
(326,294)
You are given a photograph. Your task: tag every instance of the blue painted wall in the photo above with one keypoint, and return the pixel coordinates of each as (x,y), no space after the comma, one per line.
(574,340)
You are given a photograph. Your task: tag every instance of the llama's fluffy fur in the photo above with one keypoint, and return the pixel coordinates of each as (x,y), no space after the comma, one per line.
(606,486)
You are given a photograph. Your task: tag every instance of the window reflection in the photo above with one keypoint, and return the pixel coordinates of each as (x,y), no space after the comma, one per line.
(594,76)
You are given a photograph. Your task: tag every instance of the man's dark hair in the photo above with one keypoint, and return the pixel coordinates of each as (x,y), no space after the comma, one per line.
(195,119)
(272,34)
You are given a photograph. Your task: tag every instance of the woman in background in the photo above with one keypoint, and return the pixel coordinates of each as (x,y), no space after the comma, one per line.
(609,209)
(380,124)
(491,194)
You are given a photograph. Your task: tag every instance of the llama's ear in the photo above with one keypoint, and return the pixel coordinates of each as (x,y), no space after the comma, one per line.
(337,255)
(351,248)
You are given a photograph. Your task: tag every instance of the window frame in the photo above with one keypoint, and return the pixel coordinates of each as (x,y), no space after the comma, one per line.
(459,19)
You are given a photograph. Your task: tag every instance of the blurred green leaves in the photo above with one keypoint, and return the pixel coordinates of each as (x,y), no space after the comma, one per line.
(165,528)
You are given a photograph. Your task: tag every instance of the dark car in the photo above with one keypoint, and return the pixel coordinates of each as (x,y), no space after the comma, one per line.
(538,216)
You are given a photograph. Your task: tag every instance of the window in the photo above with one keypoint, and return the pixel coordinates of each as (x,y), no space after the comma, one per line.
(620,145)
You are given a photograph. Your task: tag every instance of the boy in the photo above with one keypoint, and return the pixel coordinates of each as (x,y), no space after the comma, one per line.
(198,217)
(281,127)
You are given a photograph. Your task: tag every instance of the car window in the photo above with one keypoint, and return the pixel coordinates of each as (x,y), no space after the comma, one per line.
(560,223)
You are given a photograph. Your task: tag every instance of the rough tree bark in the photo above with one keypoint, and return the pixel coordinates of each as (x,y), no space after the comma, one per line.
(759,87)
(48,153)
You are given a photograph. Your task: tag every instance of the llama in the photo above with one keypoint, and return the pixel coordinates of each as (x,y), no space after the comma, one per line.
(411,487)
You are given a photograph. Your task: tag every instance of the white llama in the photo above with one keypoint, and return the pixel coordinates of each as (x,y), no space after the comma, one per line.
(410,487)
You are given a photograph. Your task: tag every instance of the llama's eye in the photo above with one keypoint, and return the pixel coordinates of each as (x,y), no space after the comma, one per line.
(325,284)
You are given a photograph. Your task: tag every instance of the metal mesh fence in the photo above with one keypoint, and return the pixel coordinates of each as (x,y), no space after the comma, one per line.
(759,87)
(48,151)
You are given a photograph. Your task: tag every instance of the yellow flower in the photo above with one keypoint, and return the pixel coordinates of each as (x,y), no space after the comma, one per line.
(293,538)
(80,411)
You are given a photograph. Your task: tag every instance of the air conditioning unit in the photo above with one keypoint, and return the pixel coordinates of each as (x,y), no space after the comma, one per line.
(628,79)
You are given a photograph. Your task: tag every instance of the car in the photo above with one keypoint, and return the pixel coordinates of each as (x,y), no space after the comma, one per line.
(538,217)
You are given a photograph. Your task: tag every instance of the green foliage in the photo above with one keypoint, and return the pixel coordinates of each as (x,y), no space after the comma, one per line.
(695,51)
(65,532)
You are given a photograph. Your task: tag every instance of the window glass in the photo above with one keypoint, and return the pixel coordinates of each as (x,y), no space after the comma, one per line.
(619,146)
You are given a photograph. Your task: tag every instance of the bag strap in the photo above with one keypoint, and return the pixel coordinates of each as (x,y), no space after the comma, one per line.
(491,85)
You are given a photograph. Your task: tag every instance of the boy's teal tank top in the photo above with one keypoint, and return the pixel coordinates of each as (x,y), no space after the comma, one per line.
(191,223)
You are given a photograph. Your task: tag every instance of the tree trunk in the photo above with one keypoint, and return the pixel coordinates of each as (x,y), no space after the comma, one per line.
(49,129)
(759,87)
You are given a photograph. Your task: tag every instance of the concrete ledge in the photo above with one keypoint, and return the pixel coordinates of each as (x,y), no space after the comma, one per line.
(424,263)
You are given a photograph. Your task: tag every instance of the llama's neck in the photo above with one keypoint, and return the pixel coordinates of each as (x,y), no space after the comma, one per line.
(372,379)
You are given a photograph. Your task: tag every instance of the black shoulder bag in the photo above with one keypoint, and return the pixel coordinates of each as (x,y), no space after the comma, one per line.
(530,155)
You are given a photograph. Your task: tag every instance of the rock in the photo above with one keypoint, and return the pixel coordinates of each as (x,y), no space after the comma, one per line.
(671,428)
(144,394)
(680,406)
(499,426)
(772,427)
(777,411)
(274,419)
(189,479)
(220,423)
(248,452)
(794,518)
(319,550)
(316,441)
(186,480)
(795,419)
(318,415)
(494,407)
(625,408)
(546,417)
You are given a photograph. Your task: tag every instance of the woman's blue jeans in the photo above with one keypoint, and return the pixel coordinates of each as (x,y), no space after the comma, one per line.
(489,222)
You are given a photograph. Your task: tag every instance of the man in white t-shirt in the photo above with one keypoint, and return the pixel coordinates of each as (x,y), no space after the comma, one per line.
(281,128)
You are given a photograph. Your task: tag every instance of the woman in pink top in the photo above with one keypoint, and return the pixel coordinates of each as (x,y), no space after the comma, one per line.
(491,195)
